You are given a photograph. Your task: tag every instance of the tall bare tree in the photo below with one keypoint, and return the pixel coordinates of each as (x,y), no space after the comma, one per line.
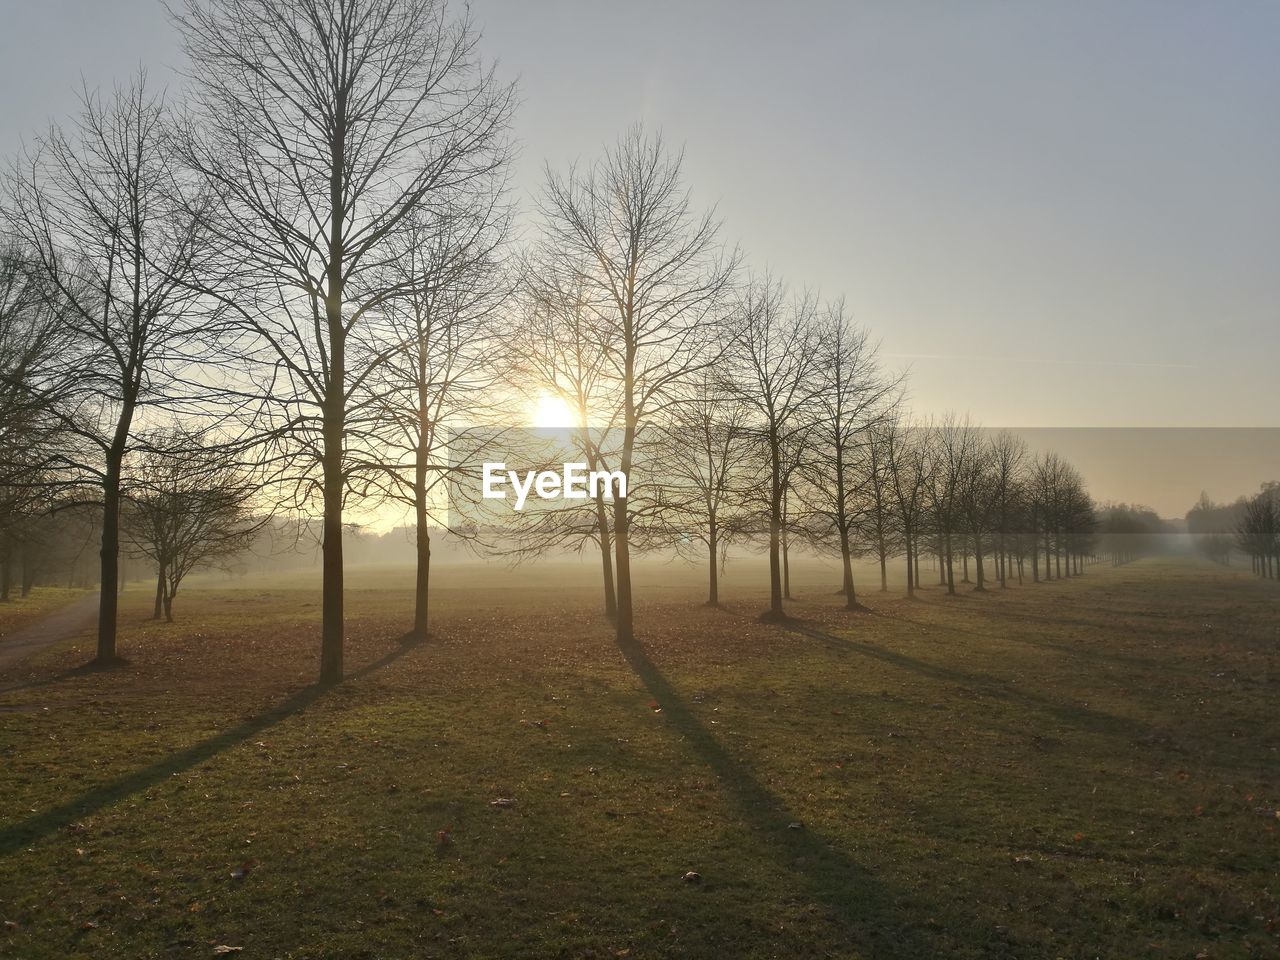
(842,467)
(979,504)
(434,391)
(562,355)
(1049,476)
(322,126)
(1008,454)
(31,338)
(655,280)
(908,462)
(99,208)
(706,462)
(773,367)
(954,446)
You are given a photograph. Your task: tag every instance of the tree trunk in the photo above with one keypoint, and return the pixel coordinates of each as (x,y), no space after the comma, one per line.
(950,567)
(606,558)
(713,568)
(110,552)
(331,628)
(422,583)
(775,567)
(846,568)
(622,551)
(978,565)
(421,530)
(786,566)
(160,581)
(911,580)
(334,406)
(775,533)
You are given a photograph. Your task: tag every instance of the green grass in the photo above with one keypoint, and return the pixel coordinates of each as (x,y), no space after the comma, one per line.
(1077,769)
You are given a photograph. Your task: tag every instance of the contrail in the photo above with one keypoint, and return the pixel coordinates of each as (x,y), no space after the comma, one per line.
(1059,362)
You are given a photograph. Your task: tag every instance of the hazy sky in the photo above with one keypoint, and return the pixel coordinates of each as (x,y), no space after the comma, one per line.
(1058,213)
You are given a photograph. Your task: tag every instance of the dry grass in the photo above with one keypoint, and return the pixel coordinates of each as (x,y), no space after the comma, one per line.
(1077,769)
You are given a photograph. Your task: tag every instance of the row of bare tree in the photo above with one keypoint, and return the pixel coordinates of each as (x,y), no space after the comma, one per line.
(263,270)
(302,281)
(1258,531)
(1251,525)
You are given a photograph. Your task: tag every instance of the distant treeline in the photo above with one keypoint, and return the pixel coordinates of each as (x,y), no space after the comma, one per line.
(1250,525)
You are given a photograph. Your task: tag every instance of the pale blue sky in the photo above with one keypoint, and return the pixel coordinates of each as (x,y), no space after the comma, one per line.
(1007,193)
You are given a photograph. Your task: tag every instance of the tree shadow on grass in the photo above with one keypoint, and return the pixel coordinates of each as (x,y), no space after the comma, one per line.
(35,828)
(862,906)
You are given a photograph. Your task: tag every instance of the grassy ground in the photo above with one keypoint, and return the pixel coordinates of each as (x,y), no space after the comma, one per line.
(1079,769)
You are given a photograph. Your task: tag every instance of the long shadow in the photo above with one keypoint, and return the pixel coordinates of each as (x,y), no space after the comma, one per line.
(19,835)
(1087,718)
(855,899)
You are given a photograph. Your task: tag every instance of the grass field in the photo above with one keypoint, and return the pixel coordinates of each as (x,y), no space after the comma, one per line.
(1078,769)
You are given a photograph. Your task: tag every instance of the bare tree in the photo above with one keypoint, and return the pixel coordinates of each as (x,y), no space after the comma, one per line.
(909,462)
(189,505)
(31,337)
(434,390)
(774,372)
(562,355)
(654,278)
(706,463)
(1008,455)
(954,446)
(880,526)
(979,504)
(1048,479)
(98,209)
(1258,532)
(841,464)
(322,126)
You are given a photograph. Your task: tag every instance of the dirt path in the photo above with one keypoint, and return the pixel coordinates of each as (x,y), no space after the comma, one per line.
(59,625)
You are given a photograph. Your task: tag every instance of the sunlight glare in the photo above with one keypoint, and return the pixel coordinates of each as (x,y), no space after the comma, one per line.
(552,411)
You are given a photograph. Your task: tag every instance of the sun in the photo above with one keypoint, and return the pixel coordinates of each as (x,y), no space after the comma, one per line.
(551,411)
